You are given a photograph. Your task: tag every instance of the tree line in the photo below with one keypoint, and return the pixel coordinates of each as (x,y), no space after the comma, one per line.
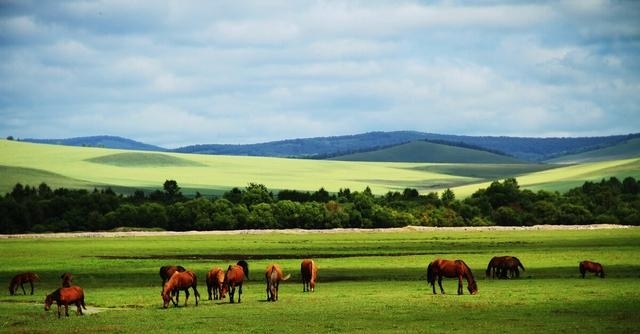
(40,209)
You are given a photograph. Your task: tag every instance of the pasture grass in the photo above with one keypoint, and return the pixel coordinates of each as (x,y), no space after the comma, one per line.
(369,282)
(126,171)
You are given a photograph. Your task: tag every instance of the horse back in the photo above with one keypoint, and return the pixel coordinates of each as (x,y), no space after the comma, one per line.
(234,275)
(308,270)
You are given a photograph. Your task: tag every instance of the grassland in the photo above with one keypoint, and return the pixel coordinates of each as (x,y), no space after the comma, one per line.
(370,282)
(73,167)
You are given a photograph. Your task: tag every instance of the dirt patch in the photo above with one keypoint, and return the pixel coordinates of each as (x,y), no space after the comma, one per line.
(122,234)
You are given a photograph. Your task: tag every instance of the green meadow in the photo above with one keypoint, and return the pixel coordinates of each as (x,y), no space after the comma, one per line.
(126,171)
(369,282)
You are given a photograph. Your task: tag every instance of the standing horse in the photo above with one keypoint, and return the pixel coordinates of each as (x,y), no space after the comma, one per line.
(593,267)
(440,268)
(180,280)
(309,273)
(20,279)
(215,280)
(273,275)
(66,296)
(503,266)
(234,277)
(66,279)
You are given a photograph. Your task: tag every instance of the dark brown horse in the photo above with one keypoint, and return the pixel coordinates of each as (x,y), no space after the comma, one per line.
(180,280)
(504,267)
(64,297)
(440,268)
(273,275)
(309,273)
(66,278)
(215,280)
(593,267)
(234,277)
(20,279)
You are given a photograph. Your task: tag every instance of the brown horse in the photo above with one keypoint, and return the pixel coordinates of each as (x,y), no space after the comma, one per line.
(273,275)
(215,280)
(309,273)
(234,277)
(66,279)
(180,280)
(440,268)
(593,267)
(66,296)
(20,279)
(504,267)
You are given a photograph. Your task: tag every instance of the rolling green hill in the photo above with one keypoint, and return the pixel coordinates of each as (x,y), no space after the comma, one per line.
(126,171)
(625,150)
(422,151)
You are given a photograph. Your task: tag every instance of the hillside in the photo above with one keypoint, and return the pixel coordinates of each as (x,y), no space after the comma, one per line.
(627,149)
(523,148)
(423,151)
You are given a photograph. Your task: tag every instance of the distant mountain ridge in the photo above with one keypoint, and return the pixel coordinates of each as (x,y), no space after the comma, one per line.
(523,148)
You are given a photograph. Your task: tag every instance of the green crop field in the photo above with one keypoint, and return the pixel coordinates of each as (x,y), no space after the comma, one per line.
(369,282)
(126,171)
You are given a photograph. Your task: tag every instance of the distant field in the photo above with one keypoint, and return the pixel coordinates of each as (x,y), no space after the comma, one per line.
(125,171)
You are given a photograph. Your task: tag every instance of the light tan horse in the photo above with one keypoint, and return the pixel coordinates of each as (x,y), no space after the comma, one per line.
(215,280)
(273,275)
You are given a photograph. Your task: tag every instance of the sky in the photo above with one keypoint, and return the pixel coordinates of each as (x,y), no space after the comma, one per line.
(177,73)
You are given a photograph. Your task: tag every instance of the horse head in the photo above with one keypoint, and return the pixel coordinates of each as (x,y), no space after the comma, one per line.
(473,288)
(48,300)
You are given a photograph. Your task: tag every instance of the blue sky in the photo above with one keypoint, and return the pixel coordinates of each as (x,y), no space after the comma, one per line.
(175,73)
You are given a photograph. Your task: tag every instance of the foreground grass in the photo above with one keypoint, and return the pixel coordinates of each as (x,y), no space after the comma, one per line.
(369,282)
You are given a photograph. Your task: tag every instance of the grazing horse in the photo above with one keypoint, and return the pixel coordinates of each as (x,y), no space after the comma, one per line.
(504,266)
(440,268)
(180,280)
(593,267)
(165,274)
(66,279)
(273,275)
(20,279)
(65,296)
(234,277)
(309,273)
(215,280)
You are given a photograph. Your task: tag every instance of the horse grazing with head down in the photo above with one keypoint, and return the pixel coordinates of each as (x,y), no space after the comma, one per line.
(215,280)
(440,268)
(504,267)
(20,279)
(64,297)
(233,277)
(593,267)
(180,280)
(273,275)
(309,273)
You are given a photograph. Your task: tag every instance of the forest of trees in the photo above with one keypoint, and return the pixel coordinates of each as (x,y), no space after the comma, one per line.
(28,209)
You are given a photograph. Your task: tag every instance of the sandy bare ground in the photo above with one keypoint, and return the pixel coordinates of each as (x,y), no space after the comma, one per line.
(118,234)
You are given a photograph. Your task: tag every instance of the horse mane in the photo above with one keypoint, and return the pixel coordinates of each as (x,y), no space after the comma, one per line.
(468,270)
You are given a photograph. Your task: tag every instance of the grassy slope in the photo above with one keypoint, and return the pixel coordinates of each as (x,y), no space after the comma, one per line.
(78,166)
(626,150)
(421,151)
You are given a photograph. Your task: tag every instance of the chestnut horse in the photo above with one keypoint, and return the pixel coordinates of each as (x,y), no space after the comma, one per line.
(66,279)
(309,273)
(593,267)
(20,279)
(165,274)
(234,277)
(180,280)
(273,275)
(215,280)
(66,296)
(440,268)
(504,267)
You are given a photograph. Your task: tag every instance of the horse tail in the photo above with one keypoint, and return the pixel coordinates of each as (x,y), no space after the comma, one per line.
(286,277)
(431,279)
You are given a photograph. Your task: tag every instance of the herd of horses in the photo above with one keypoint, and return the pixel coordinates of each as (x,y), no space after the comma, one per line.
(220,282)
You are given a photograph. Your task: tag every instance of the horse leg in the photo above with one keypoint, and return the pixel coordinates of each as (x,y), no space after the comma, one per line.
(66,309)
(186,296)
(459,284)
(31,283)
(239,292)
(59,310)
(440,284)
(22,286)
(232,292)
(79,309)
(196,294)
